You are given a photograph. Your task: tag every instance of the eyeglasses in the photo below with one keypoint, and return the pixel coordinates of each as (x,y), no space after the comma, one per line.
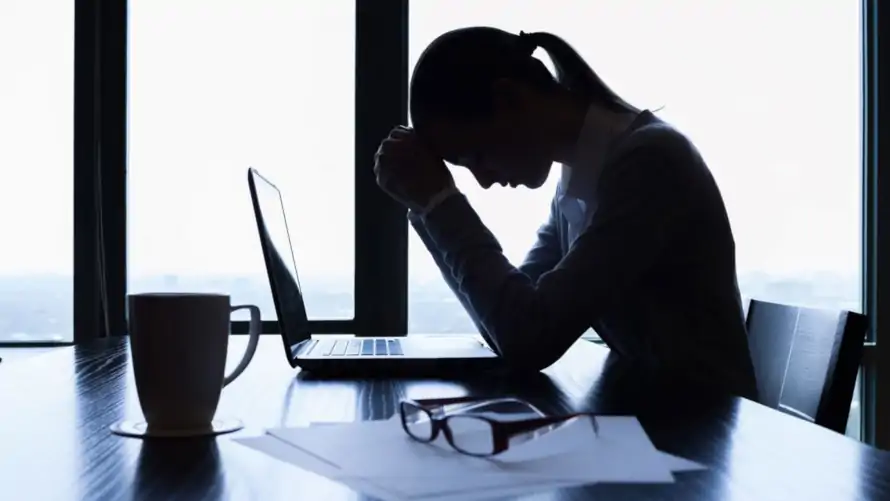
(473,434)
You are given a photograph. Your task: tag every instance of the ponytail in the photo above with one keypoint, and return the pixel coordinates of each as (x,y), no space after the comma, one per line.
(454,75)
(572,71)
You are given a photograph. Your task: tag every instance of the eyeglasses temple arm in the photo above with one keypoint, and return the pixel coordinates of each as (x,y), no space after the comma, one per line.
(445,401)
(511,428)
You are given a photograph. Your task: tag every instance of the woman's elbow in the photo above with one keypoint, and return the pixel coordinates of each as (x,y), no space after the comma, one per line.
(528,357)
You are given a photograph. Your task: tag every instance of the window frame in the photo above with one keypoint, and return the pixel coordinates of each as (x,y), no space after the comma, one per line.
(381,231)
(100,168)
(875,396)
(381,228)
(98,134)
(100,207)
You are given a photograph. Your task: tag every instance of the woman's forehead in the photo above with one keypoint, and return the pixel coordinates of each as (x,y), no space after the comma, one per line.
(456,143)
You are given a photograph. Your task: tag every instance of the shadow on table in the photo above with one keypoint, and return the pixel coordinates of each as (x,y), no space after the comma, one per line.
(378,398)
(611,387)
(190,467)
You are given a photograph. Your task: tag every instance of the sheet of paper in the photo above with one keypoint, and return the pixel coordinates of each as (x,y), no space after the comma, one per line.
(618,431)
(378,458)
(286,453)
(381,448)
(678,464)
(396,487)
(621,453)
(628,431)
(674,463)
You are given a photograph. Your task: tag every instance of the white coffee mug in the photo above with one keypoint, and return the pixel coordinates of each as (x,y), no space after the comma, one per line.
(178,344)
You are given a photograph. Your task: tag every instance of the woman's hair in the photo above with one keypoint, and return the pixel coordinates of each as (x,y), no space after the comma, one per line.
(454,76)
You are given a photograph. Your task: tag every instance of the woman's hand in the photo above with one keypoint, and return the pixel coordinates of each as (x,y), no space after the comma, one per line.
(407,170)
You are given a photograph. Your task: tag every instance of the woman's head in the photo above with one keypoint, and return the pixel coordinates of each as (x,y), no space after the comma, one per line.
(481,101)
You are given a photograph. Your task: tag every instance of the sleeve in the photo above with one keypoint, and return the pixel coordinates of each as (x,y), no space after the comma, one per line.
(418,225)
(546,253)
(543,257)
(533,323)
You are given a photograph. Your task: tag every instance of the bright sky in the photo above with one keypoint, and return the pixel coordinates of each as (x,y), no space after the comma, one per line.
(767,89)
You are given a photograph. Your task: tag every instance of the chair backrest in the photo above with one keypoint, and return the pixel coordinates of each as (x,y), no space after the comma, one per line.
(806,360)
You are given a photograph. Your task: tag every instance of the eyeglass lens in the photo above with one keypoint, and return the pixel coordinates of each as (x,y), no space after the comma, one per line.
(416,421)
(471,434)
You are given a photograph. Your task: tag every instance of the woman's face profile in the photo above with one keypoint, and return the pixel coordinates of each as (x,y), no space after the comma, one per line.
(503,148)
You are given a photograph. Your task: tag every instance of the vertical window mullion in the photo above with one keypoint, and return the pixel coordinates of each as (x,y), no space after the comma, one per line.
(86,152)
(381,229)
(876,234)
(113,50)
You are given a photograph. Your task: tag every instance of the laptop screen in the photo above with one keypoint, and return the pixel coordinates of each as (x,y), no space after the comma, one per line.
(280,264)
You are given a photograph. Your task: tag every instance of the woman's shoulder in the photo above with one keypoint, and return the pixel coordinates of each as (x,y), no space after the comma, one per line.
(660,153)
(651,135)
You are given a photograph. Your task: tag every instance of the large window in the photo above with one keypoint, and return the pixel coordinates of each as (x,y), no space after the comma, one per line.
(774,110)
(36,195)
(216,87)
(770,93)
(304,91)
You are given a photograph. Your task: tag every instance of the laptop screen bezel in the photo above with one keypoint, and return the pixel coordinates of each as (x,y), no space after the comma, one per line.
(296,329)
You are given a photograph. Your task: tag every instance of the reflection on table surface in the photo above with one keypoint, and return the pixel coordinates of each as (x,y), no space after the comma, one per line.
(58,407)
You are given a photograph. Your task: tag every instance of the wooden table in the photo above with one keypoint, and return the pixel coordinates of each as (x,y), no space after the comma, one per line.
(55,410)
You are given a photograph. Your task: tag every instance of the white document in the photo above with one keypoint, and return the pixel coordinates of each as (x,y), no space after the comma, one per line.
(378,458)
(679,465)
(612,428)
(285,452)
(398,488)
(621,452)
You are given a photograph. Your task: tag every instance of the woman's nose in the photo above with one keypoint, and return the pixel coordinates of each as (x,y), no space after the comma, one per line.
(483,176)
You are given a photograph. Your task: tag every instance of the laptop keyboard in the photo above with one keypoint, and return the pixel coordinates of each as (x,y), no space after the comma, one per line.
(356,347)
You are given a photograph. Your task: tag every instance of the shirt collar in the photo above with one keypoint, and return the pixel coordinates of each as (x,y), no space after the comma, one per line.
(580,175)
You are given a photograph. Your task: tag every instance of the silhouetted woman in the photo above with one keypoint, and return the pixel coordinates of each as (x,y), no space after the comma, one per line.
(638,245)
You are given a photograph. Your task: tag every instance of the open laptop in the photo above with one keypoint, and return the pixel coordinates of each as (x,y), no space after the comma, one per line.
(331,353)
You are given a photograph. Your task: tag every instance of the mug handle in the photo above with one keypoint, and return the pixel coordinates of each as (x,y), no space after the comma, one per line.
(254,333)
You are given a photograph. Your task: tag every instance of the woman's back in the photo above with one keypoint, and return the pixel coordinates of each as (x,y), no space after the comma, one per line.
(685,312)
